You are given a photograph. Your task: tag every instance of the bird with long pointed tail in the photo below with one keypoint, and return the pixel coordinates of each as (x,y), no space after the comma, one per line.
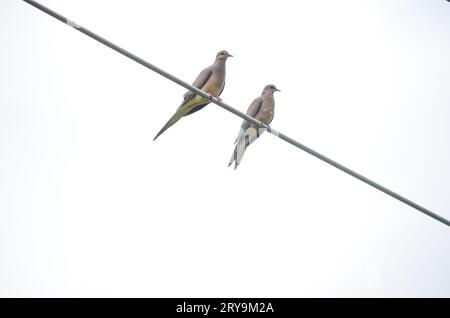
(211,80)
(262,109)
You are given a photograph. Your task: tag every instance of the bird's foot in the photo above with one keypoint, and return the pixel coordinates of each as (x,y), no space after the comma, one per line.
(212,97)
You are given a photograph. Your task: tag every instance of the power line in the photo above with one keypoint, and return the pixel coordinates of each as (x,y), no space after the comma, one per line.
(237,112)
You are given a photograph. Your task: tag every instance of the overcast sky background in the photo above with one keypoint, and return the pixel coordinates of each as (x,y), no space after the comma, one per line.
(90,206)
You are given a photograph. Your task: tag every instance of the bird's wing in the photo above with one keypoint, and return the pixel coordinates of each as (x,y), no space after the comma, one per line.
(246,136)
(199,82)
(201,106)
(189,104)
(252,111)
(266,112)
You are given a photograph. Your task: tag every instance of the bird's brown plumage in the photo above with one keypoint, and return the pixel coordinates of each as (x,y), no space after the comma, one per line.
(262,109)
(211,80)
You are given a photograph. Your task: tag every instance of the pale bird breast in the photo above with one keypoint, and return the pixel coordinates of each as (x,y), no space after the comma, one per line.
(214,86)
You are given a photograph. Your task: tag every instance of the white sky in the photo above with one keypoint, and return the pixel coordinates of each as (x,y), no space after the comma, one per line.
(90,206)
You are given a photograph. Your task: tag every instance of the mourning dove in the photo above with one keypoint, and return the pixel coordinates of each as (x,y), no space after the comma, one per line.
(262,109)
(211,80)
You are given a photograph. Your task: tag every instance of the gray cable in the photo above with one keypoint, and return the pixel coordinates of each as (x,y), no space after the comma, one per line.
(236,112)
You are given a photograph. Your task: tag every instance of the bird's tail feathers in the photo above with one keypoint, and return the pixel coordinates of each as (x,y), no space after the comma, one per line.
(176,117)
(244,139)
(233,156)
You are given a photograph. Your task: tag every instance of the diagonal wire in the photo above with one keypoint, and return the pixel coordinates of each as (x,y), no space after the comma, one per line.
(237,112)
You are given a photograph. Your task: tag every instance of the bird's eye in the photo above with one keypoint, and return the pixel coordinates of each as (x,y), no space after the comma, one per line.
(222,53)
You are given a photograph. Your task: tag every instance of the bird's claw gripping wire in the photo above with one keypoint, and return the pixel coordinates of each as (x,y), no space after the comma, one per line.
(214,98)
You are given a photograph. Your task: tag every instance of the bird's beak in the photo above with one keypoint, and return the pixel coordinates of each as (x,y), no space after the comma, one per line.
(229,55)
(277,90)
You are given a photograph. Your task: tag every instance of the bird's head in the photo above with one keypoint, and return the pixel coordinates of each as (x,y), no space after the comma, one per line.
(223,56)
(270,89)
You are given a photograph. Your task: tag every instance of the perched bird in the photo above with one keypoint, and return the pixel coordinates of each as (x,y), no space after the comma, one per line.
(211,80)
(262,109)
